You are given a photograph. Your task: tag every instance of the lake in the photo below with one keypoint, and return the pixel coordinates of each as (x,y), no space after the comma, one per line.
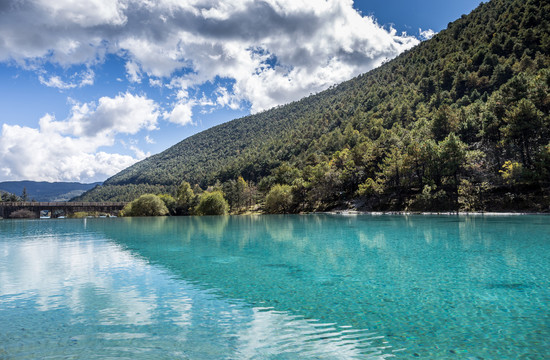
(276,287)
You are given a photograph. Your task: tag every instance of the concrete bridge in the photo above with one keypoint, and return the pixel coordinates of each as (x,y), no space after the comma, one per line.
(57,209)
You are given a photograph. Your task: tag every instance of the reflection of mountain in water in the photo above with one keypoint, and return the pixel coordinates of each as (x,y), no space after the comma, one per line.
(71,293)
(409,279)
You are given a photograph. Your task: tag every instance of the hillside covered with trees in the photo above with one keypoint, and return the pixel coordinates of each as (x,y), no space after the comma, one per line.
(459,122)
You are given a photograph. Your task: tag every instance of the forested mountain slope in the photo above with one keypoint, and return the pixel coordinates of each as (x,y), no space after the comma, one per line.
(460,121)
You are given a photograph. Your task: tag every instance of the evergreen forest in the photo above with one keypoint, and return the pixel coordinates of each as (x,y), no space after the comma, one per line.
(460,122)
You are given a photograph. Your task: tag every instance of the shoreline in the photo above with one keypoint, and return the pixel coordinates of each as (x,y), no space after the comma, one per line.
(446,213)
(373,213)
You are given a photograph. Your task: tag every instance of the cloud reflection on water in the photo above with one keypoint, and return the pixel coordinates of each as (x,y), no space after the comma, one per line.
(77,294)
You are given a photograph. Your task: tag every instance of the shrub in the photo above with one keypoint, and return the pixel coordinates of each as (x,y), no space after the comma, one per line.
(23,214)
(212,203)
(145,205)
(279,199)
(170,203)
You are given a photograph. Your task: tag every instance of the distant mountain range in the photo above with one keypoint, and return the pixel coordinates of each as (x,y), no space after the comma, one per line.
(46,191)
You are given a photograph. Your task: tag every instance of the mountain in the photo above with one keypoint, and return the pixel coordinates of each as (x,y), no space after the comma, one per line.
(459,122)
(47,191)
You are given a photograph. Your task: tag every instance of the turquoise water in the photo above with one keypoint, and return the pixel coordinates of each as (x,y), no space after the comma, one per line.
(276,287)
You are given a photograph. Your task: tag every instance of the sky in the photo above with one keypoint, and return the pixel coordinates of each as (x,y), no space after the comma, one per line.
(88,88)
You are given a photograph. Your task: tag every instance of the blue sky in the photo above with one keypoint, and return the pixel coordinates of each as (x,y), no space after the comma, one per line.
(89,88)
(411,15)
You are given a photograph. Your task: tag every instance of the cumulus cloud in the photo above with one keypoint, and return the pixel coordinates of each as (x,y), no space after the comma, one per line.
(182,113)
(62,150)
(275,50)
(270,52)
(225,99)
(125,113)
(426,34)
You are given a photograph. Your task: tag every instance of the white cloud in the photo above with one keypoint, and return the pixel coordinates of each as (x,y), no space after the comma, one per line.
(27,153)
(56,82)
(225,99)
(271,52)
(69,149)
(275,50)
(426,34)
(182,113)
(155,82)
(133,72)
(140,154)
(148,140)
(85,78)
(84,14)
(125,113)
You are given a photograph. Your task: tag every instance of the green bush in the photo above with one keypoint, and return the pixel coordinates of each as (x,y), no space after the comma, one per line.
(212,203)
(279,199)
(146,205)
(170,203)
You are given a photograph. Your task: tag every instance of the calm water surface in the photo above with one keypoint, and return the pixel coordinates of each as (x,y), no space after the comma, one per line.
(276,287)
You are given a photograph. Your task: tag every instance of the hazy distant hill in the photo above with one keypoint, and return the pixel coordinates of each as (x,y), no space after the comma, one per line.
(46,191)
(459,121)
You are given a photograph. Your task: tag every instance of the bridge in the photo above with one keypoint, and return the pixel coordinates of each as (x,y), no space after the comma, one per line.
(57,209)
